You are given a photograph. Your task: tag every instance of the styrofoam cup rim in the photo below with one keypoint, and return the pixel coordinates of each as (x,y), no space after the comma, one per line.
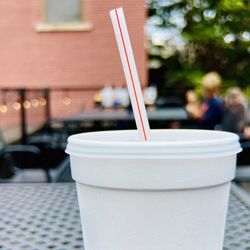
(181,142)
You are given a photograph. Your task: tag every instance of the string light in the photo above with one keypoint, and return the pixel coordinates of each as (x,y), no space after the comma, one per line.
(34,103)
(16,106)
(26,104)
(66,100)
(42,101)
(3,108)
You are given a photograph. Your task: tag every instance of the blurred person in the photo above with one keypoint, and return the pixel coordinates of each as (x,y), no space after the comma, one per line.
(193,106)
(246,131)
(107,97)
(121,97)
(97,99)
(211,112)
(150,95)
(235,111)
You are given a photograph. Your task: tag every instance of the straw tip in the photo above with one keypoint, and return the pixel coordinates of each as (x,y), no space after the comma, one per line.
(116,9)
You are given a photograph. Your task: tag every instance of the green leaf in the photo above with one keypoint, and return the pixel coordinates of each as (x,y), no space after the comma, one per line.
(233,5)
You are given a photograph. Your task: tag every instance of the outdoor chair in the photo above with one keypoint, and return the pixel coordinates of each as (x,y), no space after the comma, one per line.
(54,137)
(13,158)
(62,173)
(52,150)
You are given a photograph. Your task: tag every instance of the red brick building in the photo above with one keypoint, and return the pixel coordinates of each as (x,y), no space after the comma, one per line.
(39,50)
(66,44)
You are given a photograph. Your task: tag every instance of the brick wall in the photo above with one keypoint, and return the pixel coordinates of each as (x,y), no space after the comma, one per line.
(66,59)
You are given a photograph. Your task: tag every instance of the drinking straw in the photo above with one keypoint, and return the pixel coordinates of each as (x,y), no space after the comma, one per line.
(130,71)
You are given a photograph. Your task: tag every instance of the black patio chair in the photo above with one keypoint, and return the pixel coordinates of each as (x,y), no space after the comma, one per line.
(52,149)
(44,152)
(62,173)
(16,157)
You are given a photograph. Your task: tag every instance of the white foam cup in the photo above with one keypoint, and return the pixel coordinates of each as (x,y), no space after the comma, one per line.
(169,193)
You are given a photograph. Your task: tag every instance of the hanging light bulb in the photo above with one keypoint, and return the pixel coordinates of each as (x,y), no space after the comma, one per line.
(16,106)
(66,100)
(42,101)
(26,104)
(3,108)
(34,103)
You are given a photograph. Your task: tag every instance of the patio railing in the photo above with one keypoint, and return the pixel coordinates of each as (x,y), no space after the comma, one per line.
(24,111)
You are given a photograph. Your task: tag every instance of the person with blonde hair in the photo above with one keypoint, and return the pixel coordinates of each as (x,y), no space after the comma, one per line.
(211,84)
(212,105)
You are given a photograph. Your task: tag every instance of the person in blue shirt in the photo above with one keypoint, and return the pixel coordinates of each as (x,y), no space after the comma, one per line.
(212,104)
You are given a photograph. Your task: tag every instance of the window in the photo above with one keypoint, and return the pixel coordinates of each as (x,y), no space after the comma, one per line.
(61,11)
(63,15)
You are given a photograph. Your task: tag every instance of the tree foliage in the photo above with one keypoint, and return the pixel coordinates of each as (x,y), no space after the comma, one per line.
(213,35)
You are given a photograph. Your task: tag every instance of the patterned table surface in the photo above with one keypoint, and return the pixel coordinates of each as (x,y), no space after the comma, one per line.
(46,216)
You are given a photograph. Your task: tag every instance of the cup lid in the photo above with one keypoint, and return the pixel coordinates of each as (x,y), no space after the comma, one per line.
(167,143)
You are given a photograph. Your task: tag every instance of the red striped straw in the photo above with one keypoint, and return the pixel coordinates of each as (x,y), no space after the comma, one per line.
(130,71)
